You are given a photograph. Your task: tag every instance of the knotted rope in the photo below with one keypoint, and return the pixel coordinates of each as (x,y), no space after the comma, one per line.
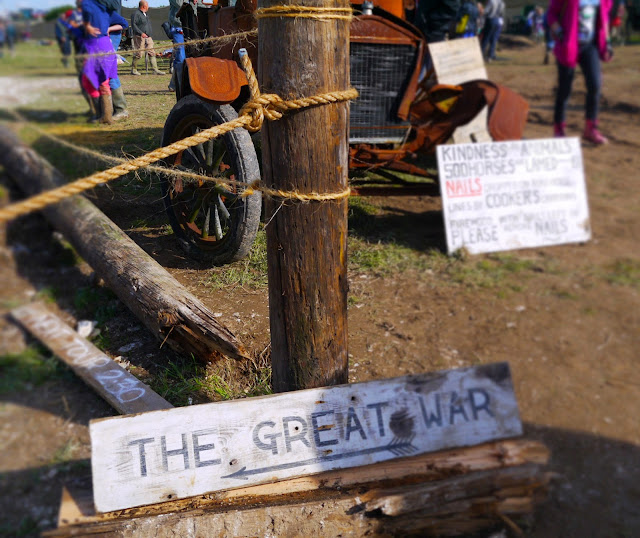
(251,117)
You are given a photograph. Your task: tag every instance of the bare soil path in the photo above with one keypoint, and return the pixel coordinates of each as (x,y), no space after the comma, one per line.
(566,318)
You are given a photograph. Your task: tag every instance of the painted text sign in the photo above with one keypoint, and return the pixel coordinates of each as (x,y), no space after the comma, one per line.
(509,195)
(126,393)
(182,452)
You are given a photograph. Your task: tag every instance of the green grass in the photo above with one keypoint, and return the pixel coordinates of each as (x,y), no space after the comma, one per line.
(187,381)
(625,272)
(98,302)
(32,367)
(250,273)
(65,453)
(27,527)
(48,294)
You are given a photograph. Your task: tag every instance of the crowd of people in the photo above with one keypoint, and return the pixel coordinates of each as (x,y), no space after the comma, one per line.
(577,31)
(91,32)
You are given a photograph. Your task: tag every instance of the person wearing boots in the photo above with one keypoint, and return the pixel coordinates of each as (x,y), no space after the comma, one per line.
(99,67)
(141,25)
(117,24)
(580,29)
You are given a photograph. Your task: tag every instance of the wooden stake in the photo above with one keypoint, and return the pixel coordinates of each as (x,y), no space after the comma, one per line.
(306,152)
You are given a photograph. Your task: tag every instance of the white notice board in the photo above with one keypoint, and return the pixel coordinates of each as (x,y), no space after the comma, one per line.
(510,195)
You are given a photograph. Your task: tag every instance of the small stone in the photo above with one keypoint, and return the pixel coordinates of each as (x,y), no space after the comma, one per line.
(84,328)
(129,347)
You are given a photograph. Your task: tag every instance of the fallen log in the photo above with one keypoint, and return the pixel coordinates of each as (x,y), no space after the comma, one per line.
(162,304)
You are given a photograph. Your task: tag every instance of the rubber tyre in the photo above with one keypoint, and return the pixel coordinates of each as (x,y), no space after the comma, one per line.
(192,114)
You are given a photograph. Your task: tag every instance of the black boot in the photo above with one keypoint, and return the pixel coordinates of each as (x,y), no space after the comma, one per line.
(96,110)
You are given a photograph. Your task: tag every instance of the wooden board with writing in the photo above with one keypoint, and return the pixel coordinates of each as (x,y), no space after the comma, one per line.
(456,61)
(511,195)
(168,455)
(123,391)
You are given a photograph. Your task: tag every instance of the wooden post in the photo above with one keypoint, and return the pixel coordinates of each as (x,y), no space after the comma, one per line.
(306,151)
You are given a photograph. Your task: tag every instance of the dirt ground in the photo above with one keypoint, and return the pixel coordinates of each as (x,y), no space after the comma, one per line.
(570,328)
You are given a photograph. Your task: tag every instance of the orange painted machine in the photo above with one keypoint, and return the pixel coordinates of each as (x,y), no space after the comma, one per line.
(395,123)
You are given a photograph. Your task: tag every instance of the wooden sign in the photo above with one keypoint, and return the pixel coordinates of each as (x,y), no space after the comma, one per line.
(123,391)
(511,195)
(456,61)
(182,452)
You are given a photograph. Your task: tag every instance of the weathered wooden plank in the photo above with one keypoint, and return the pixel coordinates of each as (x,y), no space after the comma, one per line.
(77,507)
(124,392)
(458,504)
(433,498)
(178,453)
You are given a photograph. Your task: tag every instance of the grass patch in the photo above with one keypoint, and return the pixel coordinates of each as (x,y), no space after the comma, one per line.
(186,381)
(64,454)
(27,527)
(249,273)
(96,301)
(31,367)
(504,271)
(624,272)
(48,294)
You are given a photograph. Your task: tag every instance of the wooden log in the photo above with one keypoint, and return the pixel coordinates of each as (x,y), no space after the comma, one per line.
(342,499)
(122,390)
(160,302)
(306,152)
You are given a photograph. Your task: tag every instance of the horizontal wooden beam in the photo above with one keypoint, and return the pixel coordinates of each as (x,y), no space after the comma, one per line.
(344,497)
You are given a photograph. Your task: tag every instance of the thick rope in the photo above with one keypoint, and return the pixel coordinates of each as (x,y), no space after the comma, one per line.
(251,117)
(304,12)
(172,172)
(221,39)
(246,119)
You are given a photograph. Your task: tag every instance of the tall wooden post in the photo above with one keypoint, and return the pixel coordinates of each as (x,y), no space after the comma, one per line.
(306,151)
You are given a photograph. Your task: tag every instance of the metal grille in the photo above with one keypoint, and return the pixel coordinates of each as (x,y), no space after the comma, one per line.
(380,72)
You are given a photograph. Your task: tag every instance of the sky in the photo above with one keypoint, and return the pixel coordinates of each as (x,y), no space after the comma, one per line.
(48,4)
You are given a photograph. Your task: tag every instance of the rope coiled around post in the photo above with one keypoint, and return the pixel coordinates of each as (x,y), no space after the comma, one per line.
(251,117)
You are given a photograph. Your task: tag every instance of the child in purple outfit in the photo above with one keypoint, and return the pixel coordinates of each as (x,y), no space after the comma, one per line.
(99,69)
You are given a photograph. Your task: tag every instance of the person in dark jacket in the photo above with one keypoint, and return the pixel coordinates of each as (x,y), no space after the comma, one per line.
(435,18)
(141,25)
(62,28)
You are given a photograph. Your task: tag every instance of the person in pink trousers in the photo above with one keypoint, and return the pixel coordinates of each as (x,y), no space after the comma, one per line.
(581,32)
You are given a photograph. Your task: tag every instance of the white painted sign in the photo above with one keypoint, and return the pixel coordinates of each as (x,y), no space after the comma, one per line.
(126,393)
(511,195)
(456,61)
(182,452)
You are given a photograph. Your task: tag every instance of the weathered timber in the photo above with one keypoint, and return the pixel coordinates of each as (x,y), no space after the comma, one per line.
(344,501)
(123,391)
(162,304)
(77,513)
(307,152)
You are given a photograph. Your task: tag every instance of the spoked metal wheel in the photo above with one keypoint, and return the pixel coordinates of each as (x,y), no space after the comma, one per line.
(212,221)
